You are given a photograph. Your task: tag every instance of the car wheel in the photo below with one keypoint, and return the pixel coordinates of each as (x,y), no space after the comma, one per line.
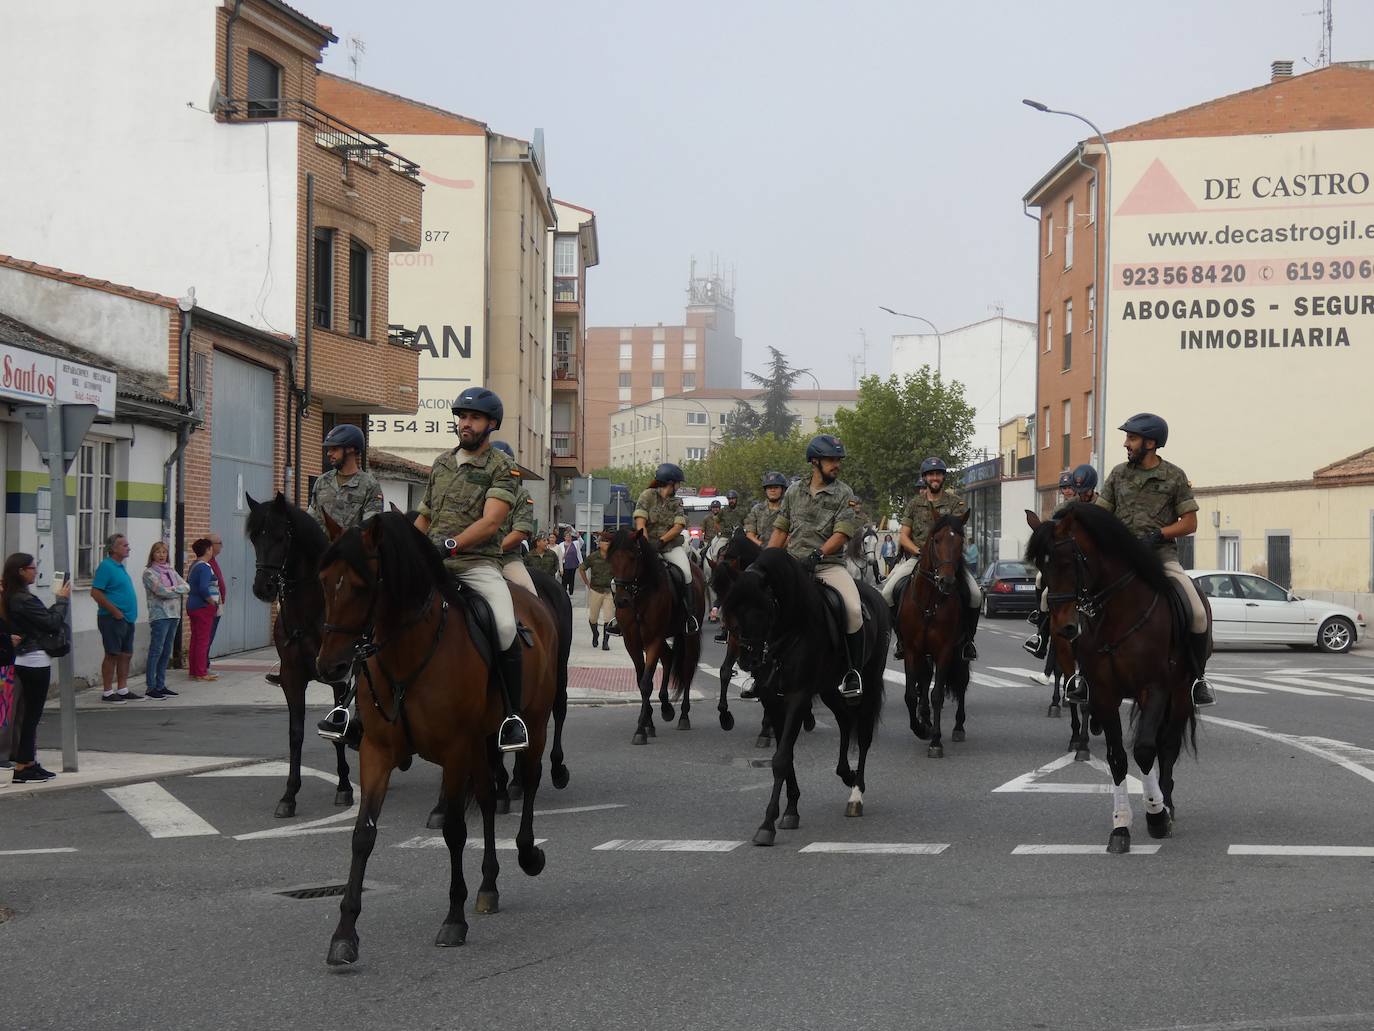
(987,608)
(1336,635)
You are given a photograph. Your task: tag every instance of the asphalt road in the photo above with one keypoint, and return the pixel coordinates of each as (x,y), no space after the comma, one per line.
(135,931)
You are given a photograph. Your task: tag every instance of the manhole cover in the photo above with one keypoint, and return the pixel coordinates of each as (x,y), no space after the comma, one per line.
(323,891)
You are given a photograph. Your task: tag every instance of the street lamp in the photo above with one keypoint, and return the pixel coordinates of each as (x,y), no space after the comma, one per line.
(708,420)
(939,342)
(812,376)
(1105,312)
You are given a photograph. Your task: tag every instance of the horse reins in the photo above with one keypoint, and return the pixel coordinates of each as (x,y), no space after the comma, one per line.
(1089,604)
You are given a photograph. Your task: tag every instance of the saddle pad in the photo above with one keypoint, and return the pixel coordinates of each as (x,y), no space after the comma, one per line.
(481,622)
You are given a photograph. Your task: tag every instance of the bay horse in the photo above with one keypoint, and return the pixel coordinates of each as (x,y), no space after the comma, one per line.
(649,615)
(796,652)
(391,608)
(930,615)
(1110,598)
(287,545)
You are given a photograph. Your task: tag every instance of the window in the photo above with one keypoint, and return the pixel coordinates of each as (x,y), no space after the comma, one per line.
(1045,421)
(689,381)
(1049,233)
(658,380)
(1228,551)
(696,454)
(1068,428)
(359,268)
(696,418)
(724,418)
(1088,413)
(689,356)
(626,353)
(562,341)
(1092,200)
(659,350)
(264,87)
(625,380)
(1216,586)
(323,288)
(565,256)
(94,504)
(1068,233)
(1049,331)
(1068,335)
(623,394)
(1092,309)
(1256,588)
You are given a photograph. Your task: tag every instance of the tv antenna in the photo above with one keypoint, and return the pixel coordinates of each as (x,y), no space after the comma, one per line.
(1324,46)
(356,49)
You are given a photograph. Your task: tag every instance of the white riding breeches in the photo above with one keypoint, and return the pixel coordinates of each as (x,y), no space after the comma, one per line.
(1197,624)
(678,557)
(907,567)
(518,574)
(486,580)
(836,576)
(596,601)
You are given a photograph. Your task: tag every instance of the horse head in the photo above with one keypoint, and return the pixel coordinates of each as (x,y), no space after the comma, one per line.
(942,557)
(270,533)
(751,613)
(630,556)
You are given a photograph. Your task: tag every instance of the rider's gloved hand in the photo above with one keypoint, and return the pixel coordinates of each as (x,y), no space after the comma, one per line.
(812,561)
(1153,540)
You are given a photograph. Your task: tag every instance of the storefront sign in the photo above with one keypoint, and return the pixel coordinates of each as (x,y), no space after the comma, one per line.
(33,377)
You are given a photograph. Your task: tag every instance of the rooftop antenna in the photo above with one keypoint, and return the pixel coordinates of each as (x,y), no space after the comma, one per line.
(356,49)
(1324,46)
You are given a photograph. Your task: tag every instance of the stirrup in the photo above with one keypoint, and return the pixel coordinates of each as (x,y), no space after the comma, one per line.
(748,690)
(1032,645)
(1076,690)
(970,651)
(513,736)
(1202,694)
(848,693)
(334,725)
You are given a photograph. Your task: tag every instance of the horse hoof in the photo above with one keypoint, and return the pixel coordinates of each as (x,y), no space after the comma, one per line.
(559,776)
(640,738)
(488,902)
(789,822)
(651,731)
(435,821)
(451,935)
(344,797)
(1120,842)
(286,809)
(532,861)
(667,712)
(684,723)
(958,735)
(1082,755)
(1159,824)
(1053,711)
(502,807)
(763,836)
(854,809)
(936,751)
(809,722)
(764,741)
(342,952)
(727,721)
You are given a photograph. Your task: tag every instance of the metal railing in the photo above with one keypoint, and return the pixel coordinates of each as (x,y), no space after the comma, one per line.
(565,288)
(564,445)
(350,143)
(565,365)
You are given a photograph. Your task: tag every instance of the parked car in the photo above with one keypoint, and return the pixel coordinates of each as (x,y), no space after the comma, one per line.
(1248,609)
(1008,587)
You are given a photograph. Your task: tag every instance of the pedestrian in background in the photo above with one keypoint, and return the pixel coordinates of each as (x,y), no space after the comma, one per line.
(216,546)
(10,692)
(164,589)
(35,625)
(202,608)
(113,591)
(889,553)
(596,576)
(543,557)
(971,556)
(572,558)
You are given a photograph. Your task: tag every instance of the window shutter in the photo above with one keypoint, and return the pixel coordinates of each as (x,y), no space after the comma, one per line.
(264,86)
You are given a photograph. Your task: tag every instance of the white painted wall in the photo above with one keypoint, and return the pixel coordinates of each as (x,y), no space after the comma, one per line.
(1017,496)
(969,355)
(112,175)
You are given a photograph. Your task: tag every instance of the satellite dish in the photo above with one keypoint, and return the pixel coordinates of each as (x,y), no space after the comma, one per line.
(216,97)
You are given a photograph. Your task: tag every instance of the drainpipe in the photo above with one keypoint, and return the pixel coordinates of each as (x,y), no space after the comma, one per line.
(1097,322)
(289,472)
(178,457)
(229,49)
(303,401)
(1039,263)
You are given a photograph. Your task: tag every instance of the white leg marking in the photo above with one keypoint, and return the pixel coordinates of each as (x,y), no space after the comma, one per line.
(855,795)
(1121,806)
(1154,797)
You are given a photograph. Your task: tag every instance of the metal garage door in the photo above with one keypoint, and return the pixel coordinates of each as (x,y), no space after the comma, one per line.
(240,461)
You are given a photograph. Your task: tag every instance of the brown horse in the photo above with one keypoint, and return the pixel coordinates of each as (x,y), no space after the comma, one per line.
(1109,597)
(649,615)
(392,612)
(931,616)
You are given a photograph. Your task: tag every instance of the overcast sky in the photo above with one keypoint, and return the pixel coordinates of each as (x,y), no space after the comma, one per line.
(840,156)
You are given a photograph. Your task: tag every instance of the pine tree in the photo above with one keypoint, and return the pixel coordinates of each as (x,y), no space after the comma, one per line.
(775,417)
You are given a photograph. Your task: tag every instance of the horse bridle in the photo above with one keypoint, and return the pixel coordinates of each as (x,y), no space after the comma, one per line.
(629,588)
(1088,604)
(944,586)
(277,570)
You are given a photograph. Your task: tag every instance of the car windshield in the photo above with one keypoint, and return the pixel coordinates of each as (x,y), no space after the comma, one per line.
(1009,569)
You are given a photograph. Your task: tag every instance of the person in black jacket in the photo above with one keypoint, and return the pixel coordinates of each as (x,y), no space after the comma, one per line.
(33,623)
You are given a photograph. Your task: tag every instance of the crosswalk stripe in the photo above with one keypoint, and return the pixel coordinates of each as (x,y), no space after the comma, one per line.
(34,851)
(1228,689)
(1266,685)
(474,845)
(874,848)
(666,845)
(1080,850)
(1359,851)
(1329,686)
(989,681)
(1352,677)
(159,812)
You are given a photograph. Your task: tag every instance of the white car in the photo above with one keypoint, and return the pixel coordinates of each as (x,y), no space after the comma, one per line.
(1248,609)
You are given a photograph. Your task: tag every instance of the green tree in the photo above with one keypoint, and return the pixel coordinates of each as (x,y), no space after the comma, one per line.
(742,423)
(895,425)
(636,477)
(740,464)
(775,416)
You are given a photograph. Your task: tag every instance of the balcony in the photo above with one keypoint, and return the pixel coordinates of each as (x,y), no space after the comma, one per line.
(565,289)
(565,371)
(564,445)
(333,134)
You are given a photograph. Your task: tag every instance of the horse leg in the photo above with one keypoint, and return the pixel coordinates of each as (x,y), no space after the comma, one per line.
(435,820)
(1054,698)
(765,738)
(374,774)
(1170,748)
(844,723)
(791,819)
(727,673)
(1120,840)
(558,769)
(866,719)
(343,792)
(782,770)
(294,691)
(529,855)
(496,763)
(936,749)
(454,930)
(913,698)
(1079,742)
(665,666)
(488,897)
(641,736)
(960,693)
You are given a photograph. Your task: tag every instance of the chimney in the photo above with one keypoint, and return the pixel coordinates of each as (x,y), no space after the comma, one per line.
(1280,70)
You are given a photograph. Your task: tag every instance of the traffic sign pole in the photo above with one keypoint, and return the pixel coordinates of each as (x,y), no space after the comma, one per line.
(57,478)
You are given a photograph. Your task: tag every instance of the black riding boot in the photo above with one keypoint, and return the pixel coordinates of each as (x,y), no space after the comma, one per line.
(1038,643)
(341,725)
(971,617)
(513,735)
(596,639)
(1202,691)
(684,595)
(852,688)
(1076,690)
(722,634)
(605,637)
(896,634)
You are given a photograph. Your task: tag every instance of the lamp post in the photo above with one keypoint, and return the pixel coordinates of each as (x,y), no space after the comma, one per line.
(939,341)
(707,411)
(812,376)
(1105,312)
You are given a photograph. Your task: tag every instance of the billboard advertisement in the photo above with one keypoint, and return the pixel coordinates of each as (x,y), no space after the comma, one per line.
(439,291)
(1242,300)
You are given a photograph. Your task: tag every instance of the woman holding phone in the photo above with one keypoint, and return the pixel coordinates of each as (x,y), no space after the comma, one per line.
(35,624)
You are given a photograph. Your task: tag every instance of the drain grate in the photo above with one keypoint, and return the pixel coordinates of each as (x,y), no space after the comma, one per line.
(323,891)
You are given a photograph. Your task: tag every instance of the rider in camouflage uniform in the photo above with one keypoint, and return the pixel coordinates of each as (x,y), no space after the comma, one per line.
(1078,485)
(470,493)
(922,513)
(732,517)
(815,523)
(348,492)
(596,575)
(1155,501)
(518,527)
(758,524)
(710,526)
(659,513)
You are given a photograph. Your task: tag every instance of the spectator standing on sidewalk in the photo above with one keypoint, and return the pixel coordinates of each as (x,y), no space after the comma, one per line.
(216,546)
(596,575)
(543,557)
(202,608)
(889,553)
(572,558)
(34,624)
(164,589)
(113,591)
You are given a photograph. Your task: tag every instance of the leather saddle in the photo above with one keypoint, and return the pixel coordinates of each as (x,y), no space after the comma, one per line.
(482,624)
(835,616)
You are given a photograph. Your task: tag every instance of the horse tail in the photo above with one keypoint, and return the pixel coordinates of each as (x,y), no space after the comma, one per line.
(553,595)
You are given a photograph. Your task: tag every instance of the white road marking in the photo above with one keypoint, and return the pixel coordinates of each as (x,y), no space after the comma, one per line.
(1032,782)
(1322,747)
(666,845)
(34,851)
(1015,671)
(874,848)
(1267,685)
(1329,686)
(895,676)
(1354,678)
(437,841)
(334,824)
(1356,851)
(579,809)
(270,768)
(1141,849)
(160,814)
(1217,685)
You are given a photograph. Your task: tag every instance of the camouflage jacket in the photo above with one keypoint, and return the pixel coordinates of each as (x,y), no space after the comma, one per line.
(710,528)
(349,501)
(545,563)
(760,520)
(1149,499)
(659,515)
(456,494)
(598,570)
(731,519)
(922,513)
(810,519)
(521,518)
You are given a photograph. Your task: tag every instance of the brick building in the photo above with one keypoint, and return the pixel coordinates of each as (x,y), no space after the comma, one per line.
(575,249)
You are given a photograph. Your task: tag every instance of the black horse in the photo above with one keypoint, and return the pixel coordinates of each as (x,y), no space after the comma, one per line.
(288,544)
(796,652)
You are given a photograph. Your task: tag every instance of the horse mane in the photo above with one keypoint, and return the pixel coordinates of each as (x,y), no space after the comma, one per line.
(651,573)
(304,530)
(740,547)
(409,565)
(799,604)
(1110,535)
